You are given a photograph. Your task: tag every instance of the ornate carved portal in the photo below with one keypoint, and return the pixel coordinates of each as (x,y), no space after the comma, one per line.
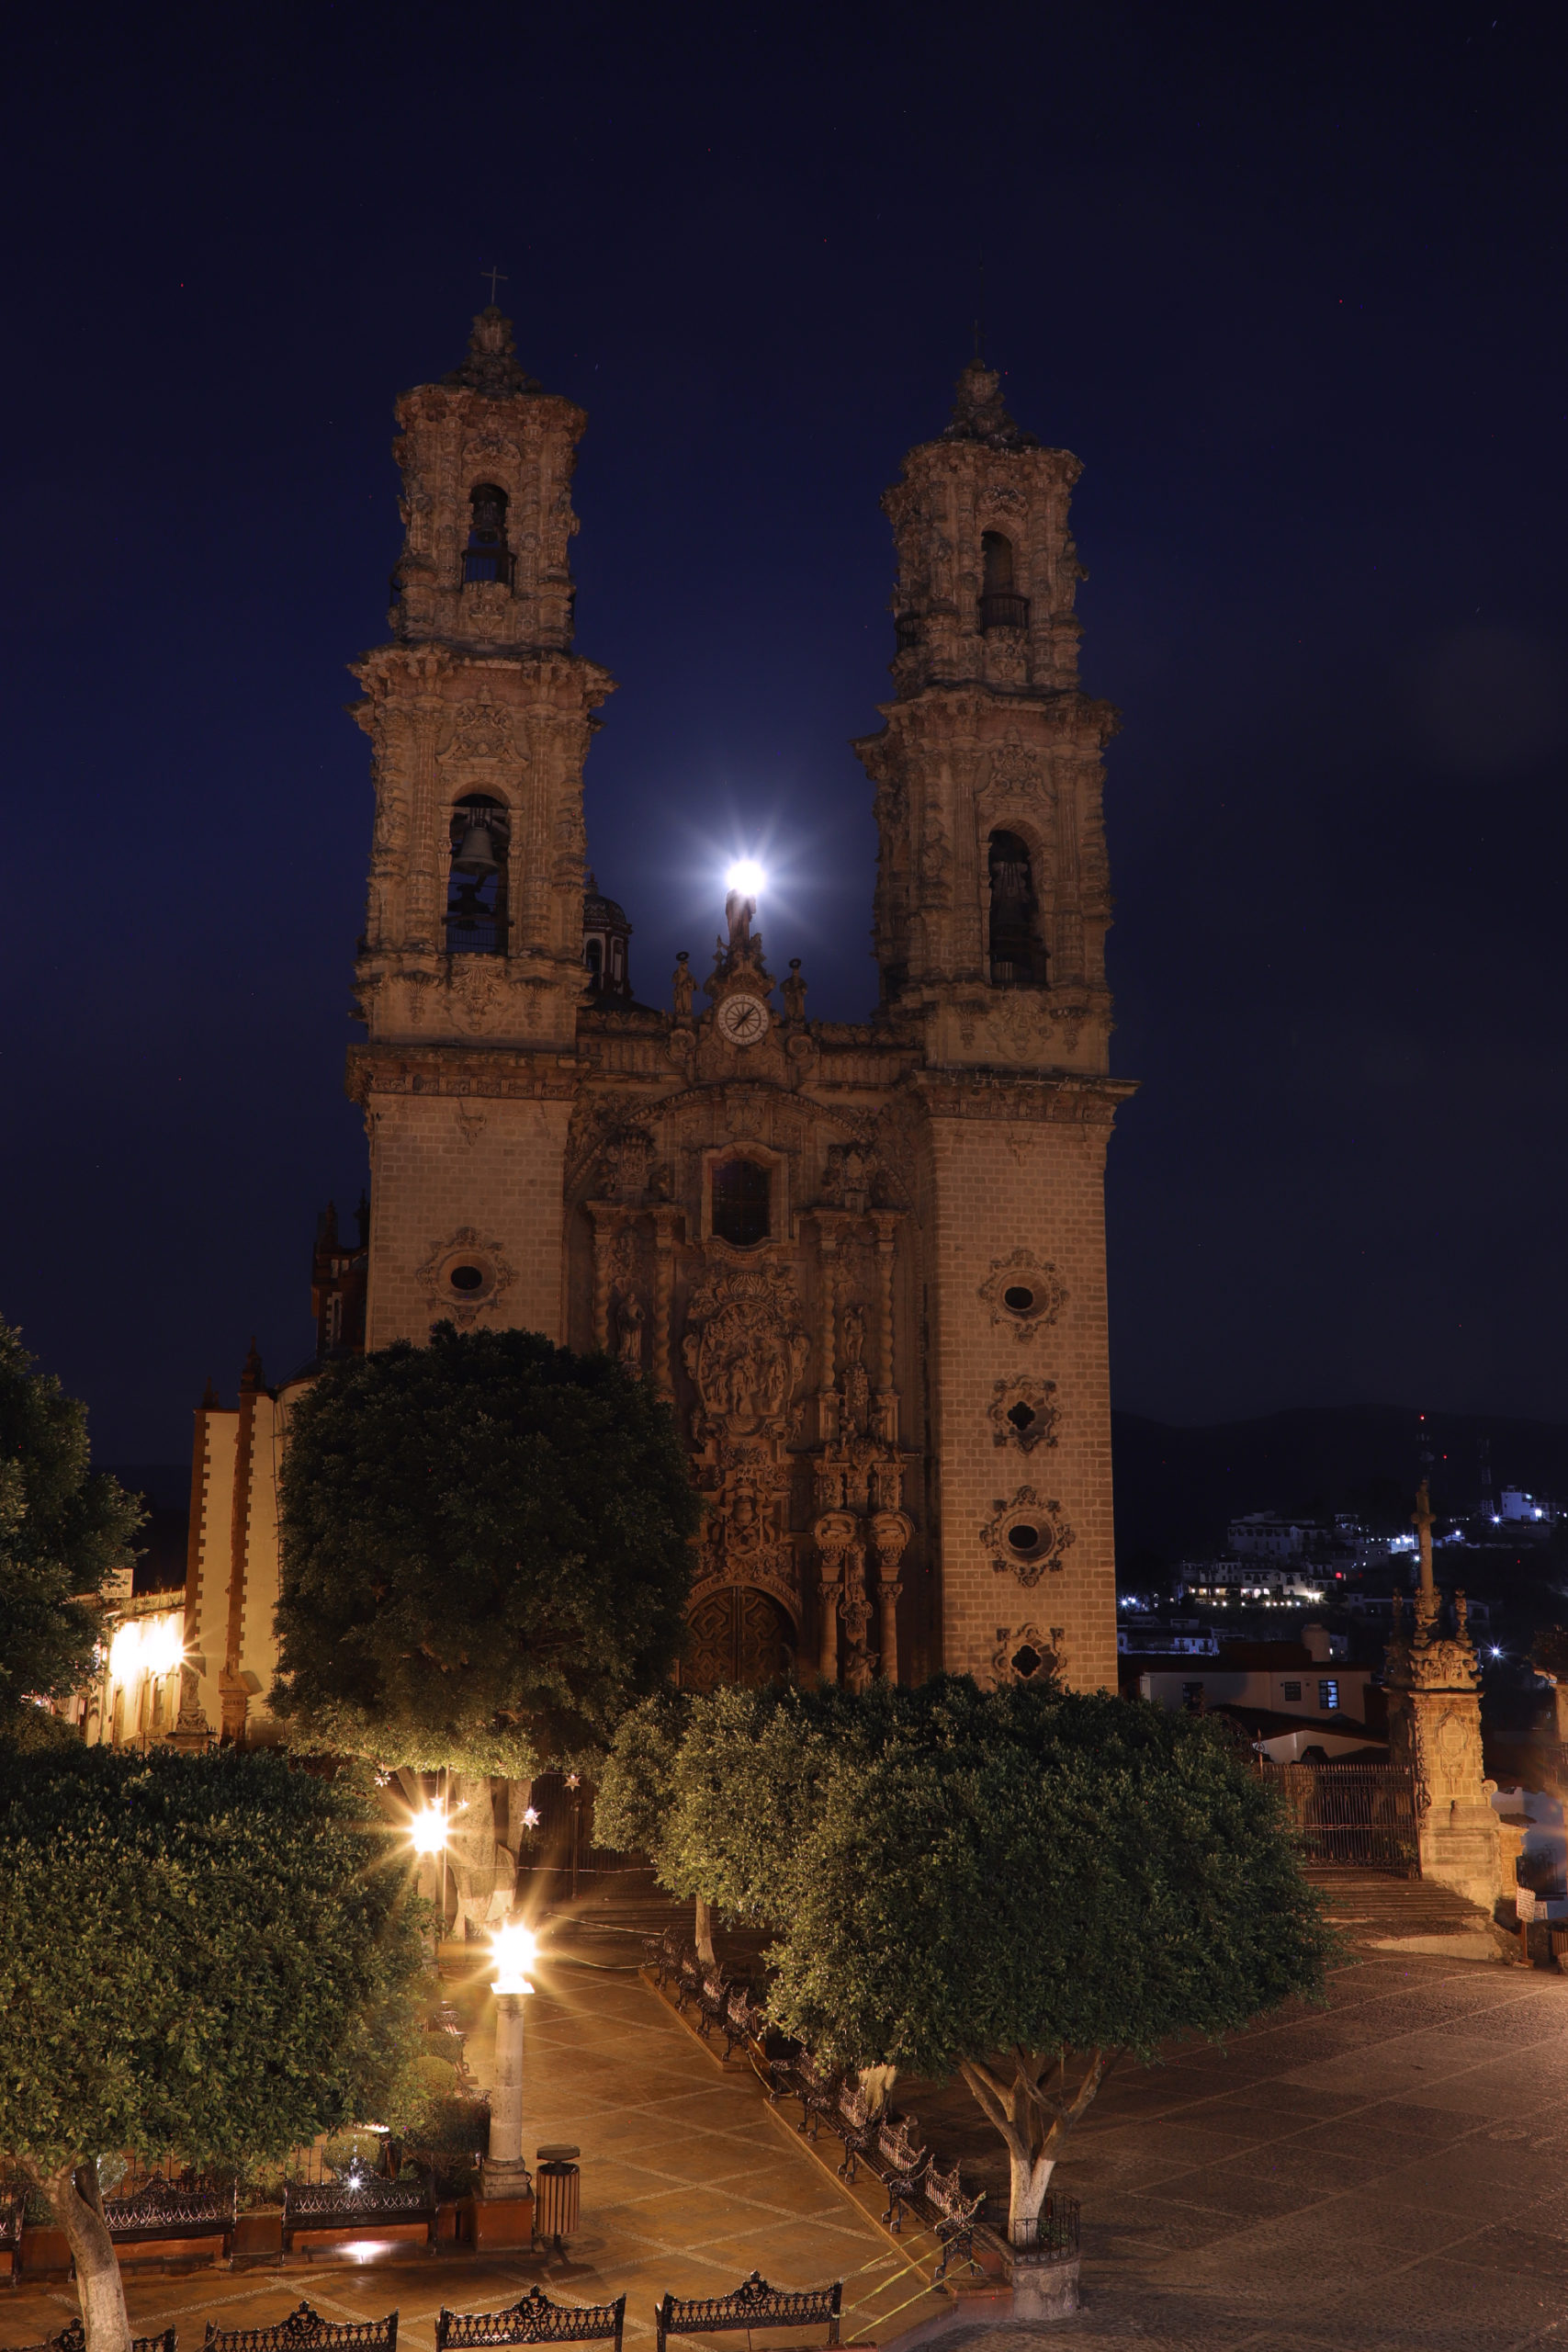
(737,1635)
(744,1351)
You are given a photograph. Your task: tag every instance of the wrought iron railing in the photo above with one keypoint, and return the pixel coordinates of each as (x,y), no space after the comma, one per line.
(465,935)
(1362,1814)
(489,566)
(195,2207)
(999,608)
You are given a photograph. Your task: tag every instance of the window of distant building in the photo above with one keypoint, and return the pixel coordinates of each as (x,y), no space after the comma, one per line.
(1327,1696)
(1192,1694)
(1292,1690)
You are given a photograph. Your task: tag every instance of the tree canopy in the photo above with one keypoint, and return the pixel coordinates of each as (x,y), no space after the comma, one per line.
(486,1553)
(216,1954)
(65,1528)
(982,1882)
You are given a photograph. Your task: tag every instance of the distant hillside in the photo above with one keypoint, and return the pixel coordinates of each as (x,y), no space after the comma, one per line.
(1176,1489)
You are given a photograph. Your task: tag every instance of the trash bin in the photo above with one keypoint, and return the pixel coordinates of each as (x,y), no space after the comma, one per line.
(558,2191)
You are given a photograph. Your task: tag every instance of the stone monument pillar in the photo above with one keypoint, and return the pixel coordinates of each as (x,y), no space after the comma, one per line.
(1434,1726)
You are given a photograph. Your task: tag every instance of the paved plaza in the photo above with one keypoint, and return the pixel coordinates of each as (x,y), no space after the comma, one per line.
(1384,2172)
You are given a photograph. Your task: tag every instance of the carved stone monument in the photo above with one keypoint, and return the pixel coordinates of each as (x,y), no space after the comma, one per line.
(1434,1726)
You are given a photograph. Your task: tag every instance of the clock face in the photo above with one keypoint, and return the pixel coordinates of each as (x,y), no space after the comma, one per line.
(743,1019)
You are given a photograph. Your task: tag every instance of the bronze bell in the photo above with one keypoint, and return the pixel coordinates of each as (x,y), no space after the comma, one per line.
(477,856)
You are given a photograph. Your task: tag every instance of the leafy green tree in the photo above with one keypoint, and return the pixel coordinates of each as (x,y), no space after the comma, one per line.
(1025,1886)
(64,1528)
(486,1553)
(216,1954)
(1016,1886)
(709,1787)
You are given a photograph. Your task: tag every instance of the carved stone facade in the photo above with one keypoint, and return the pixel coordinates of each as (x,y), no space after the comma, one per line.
(863,1261)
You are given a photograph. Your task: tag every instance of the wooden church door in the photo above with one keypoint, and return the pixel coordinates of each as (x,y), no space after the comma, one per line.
(737,1635)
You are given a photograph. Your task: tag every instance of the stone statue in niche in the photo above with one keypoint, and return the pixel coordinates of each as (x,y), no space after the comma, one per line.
(854,1384)
(682,985)
(793,990)
(629,1320)
(850,1171)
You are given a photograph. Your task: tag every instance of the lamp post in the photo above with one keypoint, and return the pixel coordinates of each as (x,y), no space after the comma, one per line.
(504,2175)
(427,1833)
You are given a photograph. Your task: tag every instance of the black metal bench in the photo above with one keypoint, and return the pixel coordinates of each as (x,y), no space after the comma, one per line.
(73,2338)
(13,2213)
(815,2086)
(664,1953)
(304,2331)
(534,2319)
(753,2304)
(195,2207)
(954,2215)
(361,2202)
(902,2160)
(857,2123)
(744,2021)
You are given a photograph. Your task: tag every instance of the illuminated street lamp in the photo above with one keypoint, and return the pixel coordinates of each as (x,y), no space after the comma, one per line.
(505,2173)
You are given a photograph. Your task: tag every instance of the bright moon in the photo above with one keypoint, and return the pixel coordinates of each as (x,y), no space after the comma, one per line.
(745,874)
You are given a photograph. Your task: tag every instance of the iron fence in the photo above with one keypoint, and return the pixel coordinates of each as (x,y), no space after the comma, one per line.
(1361,1815)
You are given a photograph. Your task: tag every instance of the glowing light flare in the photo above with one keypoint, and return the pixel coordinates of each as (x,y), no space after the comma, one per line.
(427,1830)
(151,1646)
(514,1950)
(161,1645)
(748,876)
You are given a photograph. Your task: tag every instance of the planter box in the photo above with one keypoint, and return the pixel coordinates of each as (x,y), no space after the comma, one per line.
(370,2232)
(206,2248)
(496,2221)
(449,2220)
(258,2236)
(44,2250)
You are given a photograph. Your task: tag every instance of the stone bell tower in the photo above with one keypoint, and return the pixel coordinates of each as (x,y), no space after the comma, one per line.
(470,971)
(992,904)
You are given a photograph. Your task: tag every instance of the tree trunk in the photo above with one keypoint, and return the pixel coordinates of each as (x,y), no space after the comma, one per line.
(1030,2180)
(79,2209)
(705,1932)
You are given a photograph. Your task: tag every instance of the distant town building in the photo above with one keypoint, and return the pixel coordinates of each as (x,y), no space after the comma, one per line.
(1264,1536)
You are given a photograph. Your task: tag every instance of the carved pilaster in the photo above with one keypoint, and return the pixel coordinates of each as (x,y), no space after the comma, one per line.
(886,1222)
(608,1217)
(830,1223)
(664,1223)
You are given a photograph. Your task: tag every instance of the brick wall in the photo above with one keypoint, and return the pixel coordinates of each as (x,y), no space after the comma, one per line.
(994,1186)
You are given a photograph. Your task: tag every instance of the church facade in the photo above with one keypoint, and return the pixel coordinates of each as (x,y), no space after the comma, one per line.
(865,1261)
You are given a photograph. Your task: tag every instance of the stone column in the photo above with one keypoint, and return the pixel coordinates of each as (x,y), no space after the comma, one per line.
(890,1532)
(833,1534)
(506,2174)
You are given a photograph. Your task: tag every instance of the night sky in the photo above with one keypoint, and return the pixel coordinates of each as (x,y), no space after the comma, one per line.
(1289,281)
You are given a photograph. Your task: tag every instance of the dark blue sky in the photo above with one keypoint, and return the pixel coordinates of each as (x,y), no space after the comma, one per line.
(1289,282)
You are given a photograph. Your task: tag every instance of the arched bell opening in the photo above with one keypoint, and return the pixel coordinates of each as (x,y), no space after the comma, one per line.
(487,557)
(481,834)
(1017,953)
(1000,606)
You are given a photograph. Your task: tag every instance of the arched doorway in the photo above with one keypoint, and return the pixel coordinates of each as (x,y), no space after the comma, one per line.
(737,1635)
